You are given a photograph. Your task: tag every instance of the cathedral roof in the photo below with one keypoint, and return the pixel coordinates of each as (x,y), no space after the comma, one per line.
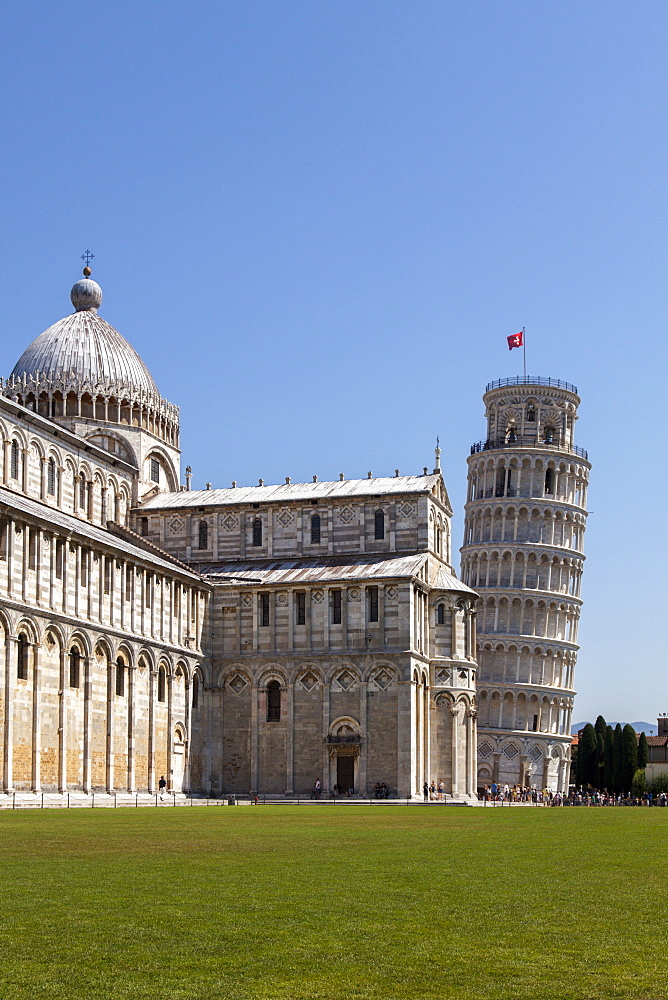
(339,489)
(282,572)
(84,347)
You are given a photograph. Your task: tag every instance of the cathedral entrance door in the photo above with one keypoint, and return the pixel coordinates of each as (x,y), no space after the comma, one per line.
(345,773)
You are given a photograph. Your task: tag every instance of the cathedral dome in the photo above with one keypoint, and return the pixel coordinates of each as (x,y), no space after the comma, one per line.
(85,348)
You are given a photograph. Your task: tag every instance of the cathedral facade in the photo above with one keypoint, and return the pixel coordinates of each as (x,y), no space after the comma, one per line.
(257,639)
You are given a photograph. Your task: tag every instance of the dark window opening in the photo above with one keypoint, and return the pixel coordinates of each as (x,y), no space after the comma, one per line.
(549,480)
(372,599)
(60,559)
(336,607)
(162,682)
(257,532)
(51,477)
(535,724)
(264,610)
(196,691)
(32,548)
(273,701)
(75,663)
(315,529)
(143,526)
(82,493)
(108,564)
(379,524)
(120,677)
(511,435)
(155,470)
(22,653)
(440,614)
(549,435)
(203,536)
(14,463)
(300,607)
(531,413)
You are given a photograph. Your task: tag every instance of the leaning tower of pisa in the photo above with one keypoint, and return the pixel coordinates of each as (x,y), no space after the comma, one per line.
(523,554)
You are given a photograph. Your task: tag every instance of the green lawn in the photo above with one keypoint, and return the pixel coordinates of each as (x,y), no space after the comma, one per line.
(351,902)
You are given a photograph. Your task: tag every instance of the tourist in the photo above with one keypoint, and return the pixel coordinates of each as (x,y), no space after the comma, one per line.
(162,784)
(425,791)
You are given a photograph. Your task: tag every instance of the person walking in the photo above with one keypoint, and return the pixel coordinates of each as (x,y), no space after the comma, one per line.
(425,791)
(162,785)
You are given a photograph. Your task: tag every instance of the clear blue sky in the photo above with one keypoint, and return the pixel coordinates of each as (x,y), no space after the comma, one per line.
(318,222)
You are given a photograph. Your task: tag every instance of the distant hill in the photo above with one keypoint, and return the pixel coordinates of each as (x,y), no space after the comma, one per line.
(649,728)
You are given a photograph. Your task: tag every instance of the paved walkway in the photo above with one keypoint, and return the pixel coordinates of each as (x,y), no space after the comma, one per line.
(118,800)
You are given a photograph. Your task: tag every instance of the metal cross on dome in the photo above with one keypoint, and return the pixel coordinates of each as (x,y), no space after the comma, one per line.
(87,257)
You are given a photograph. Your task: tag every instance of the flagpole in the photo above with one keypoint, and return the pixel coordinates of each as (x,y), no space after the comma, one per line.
(524,352)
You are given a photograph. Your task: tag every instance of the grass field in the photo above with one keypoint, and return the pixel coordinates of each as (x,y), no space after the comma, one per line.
(357,902)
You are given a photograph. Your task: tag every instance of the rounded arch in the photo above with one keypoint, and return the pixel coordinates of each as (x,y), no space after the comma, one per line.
(30,627)
(124,651)
(344,725)
(79,638)
(272,673)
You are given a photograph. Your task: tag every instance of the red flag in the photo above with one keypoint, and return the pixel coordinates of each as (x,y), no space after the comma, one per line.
(516,340)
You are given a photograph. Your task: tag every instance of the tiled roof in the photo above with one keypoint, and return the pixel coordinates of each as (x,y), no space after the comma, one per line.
(280,572)
(315,571)
(339,490)
(92,533)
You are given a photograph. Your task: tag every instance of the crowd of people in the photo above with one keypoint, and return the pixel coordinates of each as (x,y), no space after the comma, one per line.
(528,794)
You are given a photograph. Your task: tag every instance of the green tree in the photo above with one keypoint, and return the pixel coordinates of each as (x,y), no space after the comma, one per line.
(617,759)
(600,760)
(600,726)
(587,751)
(659,783)
(629,756)
(639,785)
(607,768)
(643,752)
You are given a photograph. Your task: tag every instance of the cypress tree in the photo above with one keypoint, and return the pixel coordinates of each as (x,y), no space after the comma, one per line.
(600,726)
(629,756)
(587,748)
(617,759)
(607,769)
(600,760)
(643,752)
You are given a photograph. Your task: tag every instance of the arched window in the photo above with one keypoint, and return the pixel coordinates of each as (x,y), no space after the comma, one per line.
(549,480)
(315,529)
(120,677)
(196,691)
(511,434)
(440,614)
(162,683)
(14,463)
(51,477)
(257,531)
(439,542)
(155,470)
(531,412)
(273,701)
(379,524)
(22,653)
(75,663)
(203,536)
(548,435)
(82,492)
